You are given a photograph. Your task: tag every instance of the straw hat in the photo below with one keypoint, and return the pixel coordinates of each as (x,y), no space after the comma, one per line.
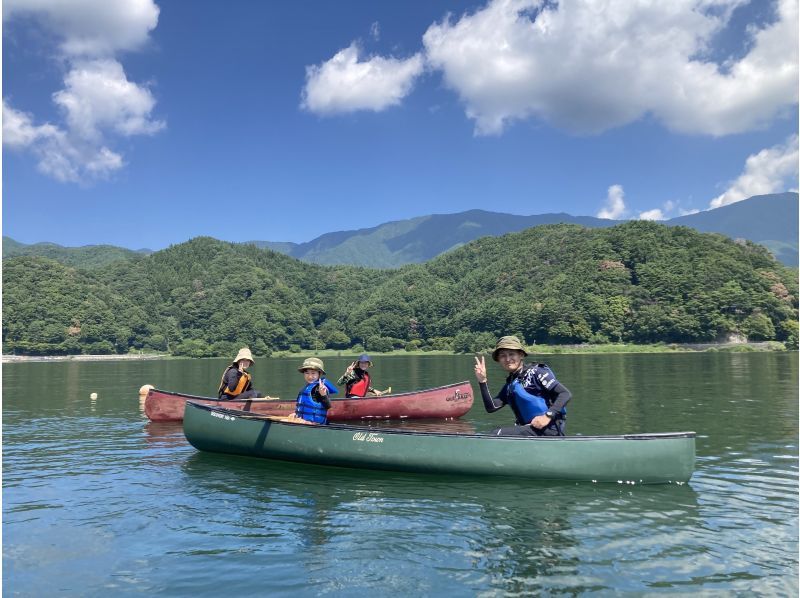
(312,363)
(244,353)
(508,342)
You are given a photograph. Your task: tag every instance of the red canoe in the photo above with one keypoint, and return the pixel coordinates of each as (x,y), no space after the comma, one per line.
(450,401)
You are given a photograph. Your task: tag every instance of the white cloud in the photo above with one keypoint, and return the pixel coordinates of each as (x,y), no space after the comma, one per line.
(767,171)
(60,155)
(97,100)
(614,208)
(345,84)
(98,95)
(655,214)
(91,27)
(590,65)
(19,130)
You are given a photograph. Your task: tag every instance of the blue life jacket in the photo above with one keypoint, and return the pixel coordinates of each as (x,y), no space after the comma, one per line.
(310,409)
(530,393)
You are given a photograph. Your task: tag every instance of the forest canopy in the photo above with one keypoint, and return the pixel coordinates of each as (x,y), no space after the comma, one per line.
(638,282)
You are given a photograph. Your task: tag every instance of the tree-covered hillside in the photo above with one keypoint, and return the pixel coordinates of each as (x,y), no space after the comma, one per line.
(635,282)
(88,256)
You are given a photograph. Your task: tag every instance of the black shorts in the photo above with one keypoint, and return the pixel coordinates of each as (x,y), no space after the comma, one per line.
(556,428)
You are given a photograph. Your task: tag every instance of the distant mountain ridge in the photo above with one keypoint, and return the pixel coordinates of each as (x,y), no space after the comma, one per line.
(419,239)
(770,220)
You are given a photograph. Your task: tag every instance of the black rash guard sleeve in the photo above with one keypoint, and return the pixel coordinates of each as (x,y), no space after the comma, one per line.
(563,395)
(490,404)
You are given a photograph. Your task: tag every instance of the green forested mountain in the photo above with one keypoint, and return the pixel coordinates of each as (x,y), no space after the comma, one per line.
(88,256)
(634,282)
(771,220)
(417,240)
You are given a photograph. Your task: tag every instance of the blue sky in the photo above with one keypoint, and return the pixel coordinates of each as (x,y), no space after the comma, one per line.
(145,123)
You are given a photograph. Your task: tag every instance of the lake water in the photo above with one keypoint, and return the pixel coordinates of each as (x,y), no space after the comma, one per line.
(97,501)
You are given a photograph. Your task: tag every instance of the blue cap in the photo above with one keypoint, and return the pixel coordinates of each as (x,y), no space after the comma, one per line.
(365,357)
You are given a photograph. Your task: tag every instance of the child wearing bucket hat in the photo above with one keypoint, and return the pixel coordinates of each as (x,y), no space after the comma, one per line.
(313,400)
(537,399)
(357,380)
(236,382)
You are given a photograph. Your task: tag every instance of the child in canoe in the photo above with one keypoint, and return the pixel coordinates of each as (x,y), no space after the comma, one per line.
(313,400)
(236,382)
(357,380)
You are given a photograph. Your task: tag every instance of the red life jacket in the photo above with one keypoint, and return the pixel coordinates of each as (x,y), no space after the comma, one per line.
(360,387)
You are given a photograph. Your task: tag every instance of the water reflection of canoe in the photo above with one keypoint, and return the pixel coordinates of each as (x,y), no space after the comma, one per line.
(638,458)
(450,401)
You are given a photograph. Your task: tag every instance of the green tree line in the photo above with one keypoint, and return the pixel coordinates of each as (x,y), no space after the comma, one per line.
(638,282)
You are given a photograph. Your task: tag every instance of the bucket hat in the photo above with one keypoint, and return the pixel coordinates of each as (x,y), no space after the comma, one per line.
(508,342)
(365,357)
(244,353)
(312,363)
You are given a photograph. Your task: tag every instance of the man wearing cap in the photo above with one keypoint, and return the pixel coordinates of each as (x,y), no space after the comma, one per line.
(236,382)
(313,400)
(357,380)
(532,391)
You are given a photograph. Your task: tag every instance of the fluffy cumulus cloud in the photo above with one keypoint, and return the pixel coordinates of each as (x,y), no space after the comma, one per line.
(91,27)
(614,207)
(97,101)
(61,156)
(98,96)
(590,65)
(654,214)
(768,171)
(345,83)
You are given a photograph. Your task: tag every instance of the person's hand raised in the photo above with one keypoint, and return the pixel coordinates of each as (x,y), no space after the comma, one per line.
(480,368)
(323,390)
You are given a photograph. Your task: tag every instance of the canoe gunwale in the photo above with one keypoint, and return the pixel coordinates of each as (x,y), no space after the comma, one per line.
(333,399)
(445,402)
(338,426)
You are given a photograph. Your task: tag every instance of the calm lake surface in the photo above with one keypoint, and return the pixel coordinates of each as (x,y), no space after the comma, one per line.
(97,501)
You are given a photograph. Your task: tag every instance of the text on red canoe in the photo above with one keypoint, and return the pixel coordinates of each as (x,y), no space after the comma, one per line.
(459,396)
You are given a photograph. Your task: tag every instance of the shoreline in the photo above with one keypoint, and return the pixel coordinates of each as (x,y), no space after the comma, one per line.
(767,346)
(126,357)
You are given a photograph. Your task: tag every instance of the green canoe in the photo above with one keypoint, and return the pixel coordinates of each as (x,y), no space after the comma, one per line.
(635,458)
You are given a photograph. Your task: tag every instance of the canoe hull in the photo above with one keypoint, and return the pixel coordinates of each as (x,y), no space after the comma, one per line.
(443,402)
(644,458)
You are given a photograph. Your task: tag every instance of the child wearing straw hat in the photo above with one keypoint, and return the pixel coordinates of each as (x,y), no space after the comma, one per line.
(236,382)
(313,400)
(531,390)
